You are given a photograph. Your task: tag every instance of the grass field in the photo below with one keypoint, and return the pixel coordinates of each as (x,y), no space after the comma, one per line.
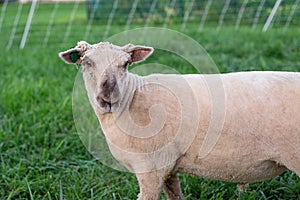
(42,156)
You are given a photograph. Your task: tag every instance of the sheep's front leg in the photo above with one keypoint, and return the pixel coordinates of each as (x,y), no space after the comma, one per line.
(151,185)
(172,188)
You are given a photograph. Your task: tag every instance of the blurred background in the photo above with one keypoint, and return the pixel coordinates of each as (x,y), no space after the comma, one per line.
(42,156)
(41,21)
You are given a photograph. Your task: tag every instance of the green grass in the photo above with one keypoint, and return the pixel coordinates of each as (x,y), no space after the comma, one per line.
(42,156)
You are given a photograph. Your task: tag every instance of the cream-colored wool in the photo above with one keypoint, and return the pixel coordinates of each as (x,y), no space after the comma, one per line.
(155,125)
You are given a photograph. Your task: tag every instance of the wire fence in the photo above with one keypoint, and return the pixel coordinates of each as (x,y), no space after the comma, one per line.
(53,21)
(231,12)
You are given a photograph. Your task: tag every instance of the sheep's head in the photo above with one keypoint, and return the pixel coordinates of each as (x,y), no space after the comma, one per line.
(104,68)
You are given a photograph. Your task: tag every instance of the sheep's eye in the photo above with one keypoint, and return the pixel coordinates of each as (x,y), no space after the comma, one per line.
(125,65)
(87,63)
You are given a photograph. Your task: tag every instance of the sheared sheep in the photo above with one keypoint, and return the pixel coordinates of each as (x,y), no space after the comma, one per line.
(156,125)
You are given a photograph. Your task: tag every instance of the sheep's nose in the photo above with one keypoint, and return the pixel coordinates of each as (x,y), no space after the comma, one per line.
(100,99)
(103,99)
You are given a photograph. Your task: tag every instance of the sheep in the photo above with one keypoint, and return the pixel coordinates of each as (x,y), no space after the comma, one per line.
(156,125)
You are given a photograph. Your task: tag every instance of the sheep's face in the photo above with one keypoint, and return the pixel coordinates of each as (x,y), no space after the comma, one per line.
(104,68)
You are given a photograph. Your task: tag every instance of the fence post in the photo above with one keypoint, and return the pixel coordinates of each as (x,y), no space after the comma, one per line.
(28,24)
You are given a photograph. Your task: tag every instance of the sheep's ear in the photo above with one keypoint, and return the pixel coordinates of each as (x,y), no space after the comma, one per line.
(71,56)
(138,53)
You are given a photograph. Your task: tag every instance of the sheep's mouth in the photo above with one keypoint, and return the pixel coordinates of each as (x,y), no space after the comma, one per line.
(108,106)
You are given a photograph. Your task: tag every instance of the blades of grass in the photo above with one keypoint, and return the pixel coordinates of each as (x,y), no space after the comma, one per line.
(66,100)
(60,191)
(60,145)
(92,194)
(10,195)
(29,189)
(114,195)
(49,196)
(263,195)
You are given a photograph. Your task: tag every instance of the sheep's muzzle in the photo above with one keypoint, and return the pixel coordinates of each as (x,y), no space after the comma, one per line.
(109,94)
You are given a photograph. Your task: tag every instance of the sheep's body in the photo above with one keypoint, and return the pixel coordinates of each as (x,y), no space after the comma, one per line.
(261,132)
(259,139)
